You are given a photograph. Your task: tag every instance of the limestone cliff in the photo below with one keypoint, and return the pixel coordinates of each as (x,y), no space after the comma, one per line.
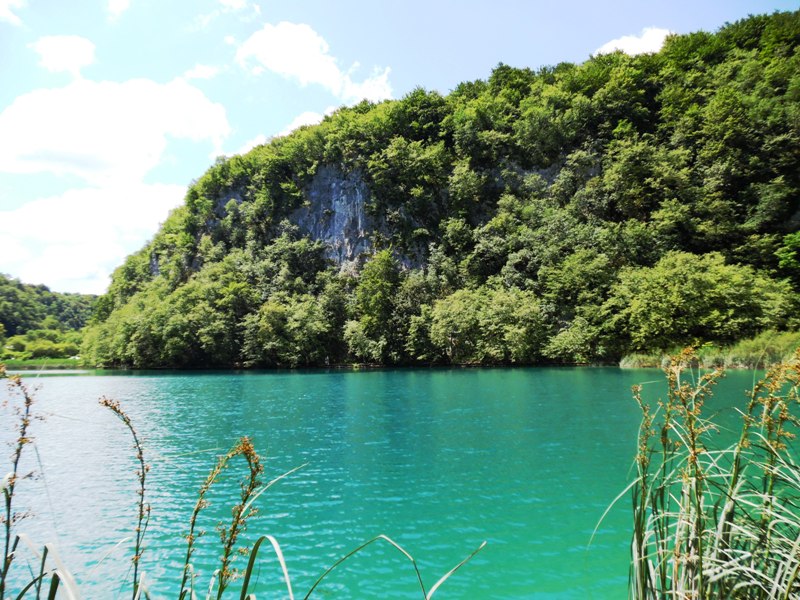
(335,214)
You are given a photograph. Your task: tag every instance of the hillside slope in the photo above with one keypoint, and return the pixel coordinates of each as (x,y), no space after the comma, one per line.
(38,323)
(569,214)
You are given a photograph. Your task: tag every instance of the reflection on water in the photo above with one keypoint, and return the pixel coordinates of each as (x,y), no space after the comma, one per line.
(439,460)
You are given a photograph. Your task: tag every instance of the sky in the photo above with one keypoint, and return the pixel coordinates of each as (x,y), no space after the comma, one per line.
(110,108)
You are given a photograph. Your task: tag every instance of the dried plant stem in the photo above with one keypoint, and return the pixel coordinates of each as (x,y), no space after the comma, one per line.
(9,484)
(241,512)
(191,538)
(141,475)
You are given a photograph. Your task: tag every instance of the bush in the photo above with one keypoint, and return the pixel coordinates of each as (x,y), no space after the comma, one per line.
(687,298)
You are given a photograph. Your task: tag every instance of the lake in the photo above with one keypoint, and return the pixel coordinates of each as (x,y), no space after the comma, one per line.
(439,460)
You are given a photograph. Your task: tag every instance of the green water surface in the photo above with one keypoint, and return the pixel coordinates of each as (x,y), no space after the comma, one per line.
(439,460)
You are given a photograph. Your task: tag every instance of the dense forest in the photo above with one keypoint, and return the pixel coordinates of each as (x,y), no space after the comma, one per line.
(38,323)
(573,213)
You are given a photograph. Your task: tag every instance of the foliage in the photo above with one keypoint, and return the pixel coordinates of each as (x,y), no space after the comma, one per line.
(631,203)
(24,307)
(789,255)
(487,325)
(685,298)
(371,336)
(42,343)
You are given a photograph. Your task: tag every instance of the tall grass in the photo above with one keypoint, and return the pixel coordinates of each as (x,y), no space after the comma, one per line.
(141,475)
(717,522)
(10,516)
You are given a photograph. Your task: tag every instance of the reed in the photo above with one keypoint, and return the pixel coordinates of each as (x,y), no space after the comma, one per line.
(143,518)
(20,403)
(240,514)
(717,522)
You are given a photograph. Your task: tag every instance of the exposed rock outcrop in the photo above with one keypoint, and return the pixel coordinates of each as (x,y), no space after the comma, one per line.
(335,214)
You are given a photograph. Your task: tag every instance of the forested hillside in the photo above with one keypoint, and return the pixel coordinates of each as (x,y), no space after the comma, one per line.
(35,322)
(570,214)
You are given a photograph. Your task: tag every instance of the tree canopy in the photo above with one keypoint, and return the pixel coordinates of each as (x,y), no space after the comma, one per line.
(569,214)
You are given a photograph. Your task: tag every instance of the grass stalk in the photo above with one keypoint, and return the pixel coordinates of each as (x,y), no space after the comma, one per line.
(10,481)
(426,595)
(240,514)
(143,517)
(717,523)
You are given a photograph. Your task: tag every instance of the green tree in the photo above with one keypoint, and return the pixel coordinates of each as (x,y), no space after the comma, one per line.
(789,256)
(686,298)
(287,331)
(487,326)
(371,335)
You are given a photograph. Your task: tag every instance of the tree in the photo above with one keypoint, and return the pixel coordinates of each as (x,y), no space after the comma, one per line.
(287,331)
(371,335)
(789,255)
(686,298)
(487,326)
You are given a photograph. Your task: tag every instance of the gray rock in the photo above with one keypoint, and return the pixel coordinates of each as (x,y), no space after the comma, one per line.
(335,214)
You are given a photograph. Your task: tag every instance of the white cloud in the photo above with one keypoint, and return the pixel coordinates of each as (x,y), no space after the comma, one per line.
(306,118)
(73,242)
(374,88)
(117,7)
(105,132)
(296,51)
(650,40)
(6,11)
(64,53)
(227,6)
(250,144)
(202,72)
(202,22)
(293,50)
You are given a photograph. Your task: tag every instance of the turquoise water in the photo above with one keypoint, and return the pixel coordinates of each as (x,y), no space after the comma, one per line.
(439,460)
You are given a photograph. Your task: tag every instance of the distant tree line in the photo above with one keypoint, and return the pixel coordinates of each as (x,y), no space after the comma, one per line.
(38,323)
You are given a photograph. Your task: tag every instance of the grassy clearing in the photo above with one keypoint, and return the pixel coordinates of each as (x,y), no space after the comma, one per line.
(761,352)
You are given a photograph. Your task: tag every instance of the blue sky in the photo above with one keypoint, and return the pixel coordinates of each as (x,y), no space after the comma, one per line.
(109,108)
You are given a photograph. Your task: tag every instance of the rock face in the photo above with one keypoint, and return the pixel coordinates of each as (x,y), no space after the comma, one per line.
(335,214)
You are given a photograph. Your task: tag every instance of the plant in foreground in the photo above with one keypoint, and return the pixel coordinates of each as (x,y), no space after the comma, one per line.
(58,574)
(141,474)
(9,517)
(717,523)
